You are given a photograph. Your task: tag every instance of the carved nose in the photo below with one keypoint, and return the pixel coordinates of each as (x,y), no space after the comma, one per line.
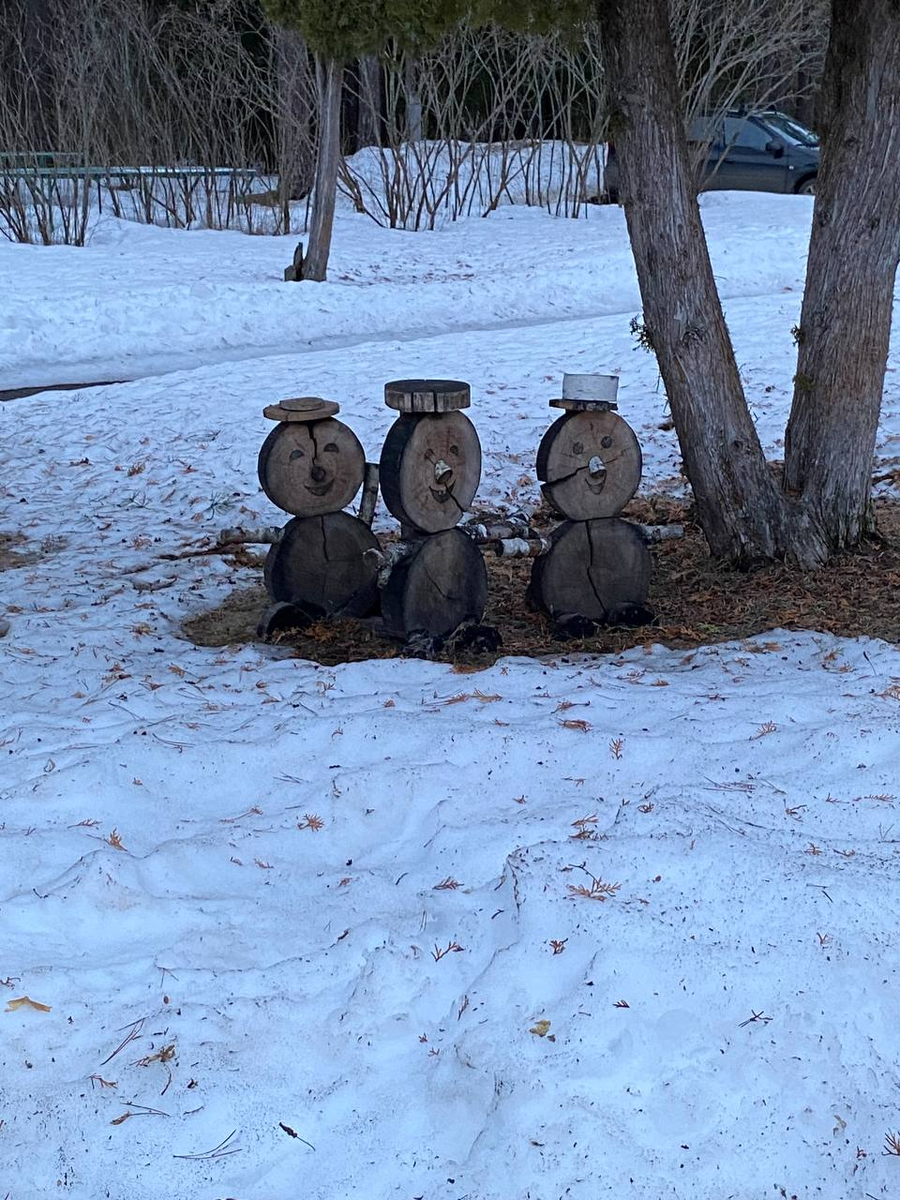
(318,474)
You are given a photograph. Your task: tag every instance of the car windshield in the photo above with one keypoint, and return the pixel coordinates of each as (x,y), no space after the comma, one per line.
(790,130)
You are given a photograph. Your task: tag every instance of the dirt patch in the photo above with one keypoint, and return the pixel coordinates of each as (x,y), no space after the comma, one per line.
(696,600)
(10,556)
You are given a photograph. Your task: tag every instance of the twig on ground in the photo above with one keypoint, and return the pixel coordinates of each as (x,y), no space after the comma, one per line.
(134,1031)
(294,1134)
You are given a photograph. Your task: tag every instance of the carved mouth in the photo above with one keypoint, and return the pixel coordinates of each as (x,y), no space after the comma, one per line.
(320,489)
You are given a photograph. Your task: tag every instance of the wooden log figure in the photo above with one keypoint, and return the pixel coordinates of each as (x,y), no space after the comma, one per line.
(312,466)
(597,570)
(429,470)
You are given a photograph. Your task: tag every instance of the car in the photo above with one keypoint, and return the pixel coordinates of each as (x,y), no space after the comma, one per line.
(754,151)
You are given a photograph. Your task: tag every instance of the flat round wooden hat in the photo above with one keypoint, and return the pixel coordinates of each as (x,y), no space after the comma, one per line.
(302,408)
(427,395)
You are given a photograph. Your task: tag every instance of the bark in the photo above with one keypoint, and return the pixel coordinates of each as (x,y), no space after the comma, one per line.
(742,512)
(370,102)
(329,76)
(853,255)
(413,100)
(295,165)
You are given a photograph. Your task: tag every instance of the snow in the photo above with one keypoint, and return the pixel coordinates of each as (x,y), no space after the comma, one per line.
(160,869)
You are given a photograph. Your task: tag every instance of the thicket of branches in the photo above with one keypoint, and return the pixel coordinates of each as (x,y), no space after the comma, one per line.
(486,117)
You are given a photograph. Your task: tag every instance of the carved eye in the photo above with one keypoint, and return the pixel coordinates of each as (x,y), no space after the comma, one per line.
(578,447)
(331,448)
(455,450)
(298,453)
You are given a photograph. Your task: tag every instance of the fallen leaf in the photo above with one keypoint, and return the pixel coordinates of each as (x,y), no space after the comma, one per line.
(27,1002)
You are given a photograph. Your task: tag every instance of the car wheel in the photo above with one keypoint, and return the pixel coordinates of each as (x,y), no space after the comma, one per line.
(807,187)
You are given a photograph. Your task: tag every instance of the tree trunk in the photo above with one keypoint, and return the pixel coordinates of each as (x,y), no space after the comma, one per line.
(329,76)
(413,100)
(740,508)
(295,157)
(370,102)
(853,255)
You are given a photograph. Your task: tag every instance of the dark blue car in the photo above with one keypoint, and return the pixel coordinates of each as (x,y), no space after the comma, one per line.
(759,152)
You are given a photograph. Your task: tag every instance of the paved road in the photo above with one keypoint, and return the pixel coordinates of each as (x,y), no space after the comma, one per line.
(21,393)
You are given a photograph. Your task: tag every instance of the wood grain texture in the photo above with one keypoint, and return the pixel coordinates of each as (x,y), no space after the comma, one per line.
(593,569)
(439,587)
(302,408)
(427,395)
(320,567)
(430,469)
(590,464)
(309,469)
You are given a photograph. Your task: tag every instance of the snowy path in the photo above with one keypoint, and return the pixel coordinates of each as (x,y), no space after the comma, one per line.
(162,868)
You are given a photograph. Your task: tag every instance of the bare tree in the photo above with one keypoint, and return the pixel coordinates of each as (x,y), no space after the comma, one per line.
(159,113)
(749,52)
(535,134)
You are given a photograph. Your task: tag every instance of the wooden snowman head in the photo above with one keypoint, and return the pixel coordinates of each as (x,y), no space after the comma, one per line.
(431,459)
(310,464)
(589,460)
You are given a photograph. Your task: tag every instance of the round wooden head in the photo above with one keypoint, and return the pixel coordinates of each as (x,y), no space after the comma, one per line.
(430,469)
(589,464)
(310,468)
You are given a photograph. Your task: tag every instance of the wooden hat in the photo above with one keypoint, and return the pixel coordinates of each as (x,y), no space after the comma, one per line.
(302,408)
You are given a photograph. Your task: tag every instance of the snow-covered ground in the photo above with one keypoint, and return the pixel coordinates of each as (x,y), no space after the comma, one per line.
(230,860)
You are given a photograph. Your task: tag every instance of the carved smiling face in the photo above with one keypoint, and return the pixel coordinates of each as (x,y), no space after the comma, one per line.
(590,463)
(430,468)
(311,468)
